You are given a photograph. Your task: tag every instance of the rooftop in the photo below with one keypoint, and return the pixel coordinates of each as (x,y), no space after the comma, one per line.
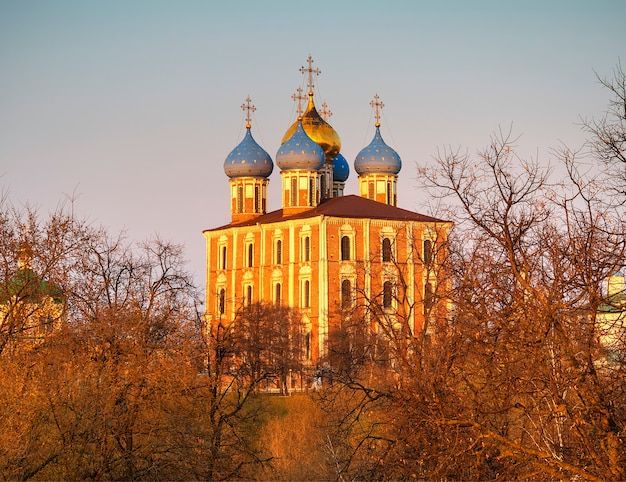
(350,206)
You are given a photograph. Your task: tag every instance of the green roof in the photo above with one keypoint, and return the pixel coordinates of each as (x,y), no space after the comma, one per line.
(28,286)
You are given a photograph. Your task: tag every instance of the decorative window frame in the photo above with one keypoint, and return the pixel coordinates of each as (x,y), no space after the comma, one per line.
(305,294)
(351,302)
(277,293)
(349,232)
(220,307)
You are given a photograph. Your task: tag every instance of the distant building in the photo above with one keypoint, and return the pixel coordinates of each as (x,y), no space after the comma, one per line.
(30,307)
(611,317)
(323,251)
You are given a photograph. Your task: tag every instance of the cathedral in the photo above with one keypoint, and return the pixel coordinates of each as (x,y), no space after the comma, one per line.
(324,252)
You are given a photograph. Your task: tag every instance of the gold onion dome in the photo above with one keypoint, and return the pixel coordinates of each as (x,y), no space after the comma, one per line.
(317,129)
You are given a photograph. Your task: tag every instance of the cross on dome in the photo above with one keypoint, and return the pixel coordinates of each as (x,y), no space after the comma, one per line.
(325,112)
(377,104)
(298,97)
(249,108)
(310,71)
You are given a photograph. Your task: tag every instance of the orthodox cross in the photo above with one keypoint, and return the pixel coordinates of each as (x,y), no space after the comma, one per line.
(377,104)
(325,113)
(249,108)
(310,71)
(298,97)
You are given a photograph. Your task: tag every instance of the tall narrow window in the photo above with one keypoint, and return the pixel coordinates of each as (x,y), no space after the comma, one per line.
(250,255)
(428,251)
(294,191)
(263,200)
(307,346)
(239,199)
(371,192)
(387,294)
(221,304)
(249,295)
(311,191)
(277,300)
(323,187)
(306,294)
(386,250)
(429,296)
(256,199)
(224,257)
(388,193)
(346,294)
(345,248)
(307,249)
(279,252)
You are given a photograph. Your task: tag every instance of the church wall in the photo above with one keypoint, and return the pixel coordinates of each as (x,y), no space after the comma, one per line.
(319,264)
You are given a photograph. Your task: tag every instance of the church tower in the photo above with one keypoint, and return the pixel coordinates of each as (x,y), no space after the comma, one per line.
(248,166)
(378,166)
(320,131)
(300,158)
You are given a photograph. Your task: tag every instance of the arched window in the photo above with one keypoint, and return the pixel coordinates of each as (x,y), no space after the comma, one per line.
(346,294)
(386,250)
(306,294)
(345,248)
(428,251)
(224,257)
(307,249)
(279,252)
(249,295)
(250,255)
(323,187)
(387,294)
(221,304)
(277,294)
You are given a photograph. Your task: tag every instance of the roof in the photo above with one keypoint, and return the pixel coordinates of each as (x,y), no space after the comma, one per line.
(350,206)
(26,285)
(614,304)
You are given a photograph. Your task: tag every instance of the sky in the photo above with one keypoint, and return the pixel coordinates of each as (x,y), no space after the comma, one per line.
(129,107)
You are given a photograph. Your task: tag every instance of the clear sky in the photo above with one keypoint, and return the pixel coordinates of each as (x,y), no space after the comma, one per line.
(132,106)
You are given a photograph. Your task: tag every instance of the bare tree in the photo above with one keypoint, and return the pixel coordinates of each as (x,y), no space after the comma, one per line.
(607,141)
(515,381)
(530,271)
(120,388)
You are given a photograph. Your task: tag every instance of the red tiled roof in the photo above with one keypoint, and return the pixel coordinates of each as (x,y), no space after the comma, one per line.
(350,206)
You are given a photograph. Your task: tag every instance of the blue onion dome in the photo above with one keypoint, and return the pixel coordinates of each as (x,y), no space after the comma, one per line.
(248,159)
(341,169)
(377,158)
(317,129)
(300,152)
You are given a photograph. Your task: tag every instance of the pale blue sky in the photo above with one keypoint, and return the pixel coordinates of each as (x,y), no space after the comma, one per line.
(133,105)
